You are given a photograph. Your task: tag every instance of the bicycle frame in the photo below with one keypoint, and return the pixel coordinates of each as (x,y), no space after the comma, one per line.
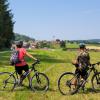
(12,81)
(28,72)
(22,78)
(77,76)
(92,68)
(73,81)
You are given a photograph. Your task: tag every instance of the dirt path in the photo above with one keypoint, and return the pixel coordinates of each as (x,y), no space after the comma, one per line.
(93,47)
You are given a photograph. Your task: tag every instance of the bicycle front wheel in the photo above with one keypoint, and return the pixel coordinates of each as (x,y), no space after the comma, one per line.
(39,82)
(65,83)
(96,82)
(7,81)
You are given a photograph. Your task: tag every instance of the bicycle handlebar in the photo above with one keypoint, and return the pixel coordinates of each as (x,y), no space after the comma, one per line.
(98,63)
(36,62)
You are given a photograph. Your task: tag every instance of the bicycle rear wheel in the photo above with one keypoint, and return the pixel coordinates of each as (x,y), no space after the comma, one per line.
(65,83)
(7,81)
(96,82)
(39,82)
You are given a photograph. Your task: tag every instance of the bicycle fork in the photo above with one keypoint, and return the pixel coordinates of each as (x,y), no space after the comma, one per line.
(38,79)
(5,83)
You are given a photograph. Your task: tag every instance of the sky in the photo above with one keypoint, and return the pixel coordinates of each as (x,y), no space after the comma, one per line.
(57,19)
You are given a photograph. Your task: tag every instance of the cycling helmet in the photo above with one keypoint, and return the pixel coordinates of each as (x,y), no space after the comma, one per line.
(19,43)
(82,45)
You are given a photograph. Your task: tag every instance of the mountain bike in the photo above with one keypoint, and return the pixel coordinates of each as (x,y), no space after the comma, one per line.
(38,82)
(65,82)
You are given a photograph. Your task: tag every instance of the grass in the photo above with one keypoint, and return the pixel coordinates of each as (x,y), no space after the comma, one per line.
(98,45)
(57,61)
(72,45)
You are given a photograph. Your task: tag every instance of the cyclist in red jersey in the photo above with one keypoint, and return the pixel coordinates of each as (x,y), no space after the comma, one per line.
(19,67)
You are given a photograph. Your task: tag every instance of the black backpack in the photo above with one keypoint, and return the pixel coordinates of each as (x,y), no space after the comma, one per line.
(14,58)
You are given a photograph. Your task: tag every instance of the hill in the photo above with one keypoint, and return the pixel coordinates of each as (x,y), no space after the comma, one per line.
(94,40)
(23,37)
(91,41)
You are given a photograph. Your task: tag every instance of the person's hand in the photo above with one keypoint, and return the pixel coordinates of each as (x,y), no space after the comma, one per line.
(74,62)
(37,60)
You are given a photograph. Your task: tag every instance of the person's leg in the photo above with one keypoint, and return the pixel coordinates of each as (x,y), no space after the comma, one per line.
(19,71)
(83,77)
(26,69)
(75,63)
(84,74)
(74,81)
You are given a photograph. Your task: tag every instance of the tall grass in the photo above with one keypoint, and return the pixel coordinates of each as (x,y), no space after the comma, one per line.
(53,63)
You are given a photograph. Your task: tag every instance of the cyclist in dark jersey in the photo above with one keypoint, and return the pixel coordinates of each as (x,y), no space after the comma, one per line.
(81,62)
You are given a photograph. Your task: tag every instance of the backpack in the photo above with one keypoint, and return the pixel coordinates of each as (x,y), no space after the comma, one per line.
(14,58)
(83,59)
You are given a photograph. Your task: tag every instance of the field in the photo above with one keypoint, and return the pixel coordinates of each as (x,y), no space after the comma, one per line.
(53,64)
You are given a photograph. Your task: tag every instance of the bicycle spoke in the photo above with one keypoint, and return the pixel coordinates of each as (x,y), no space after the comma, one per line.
(96,82)
(7,82)
(40,82)
(65,83)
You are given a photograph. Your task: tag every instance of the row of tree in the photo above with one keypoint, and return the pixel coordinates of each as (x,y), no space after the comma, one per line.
(6,24)
(51,44)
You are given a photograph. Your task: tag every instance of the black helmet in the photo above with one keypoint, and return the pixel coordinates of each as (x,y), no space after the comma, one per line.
(82,45)
(19,43)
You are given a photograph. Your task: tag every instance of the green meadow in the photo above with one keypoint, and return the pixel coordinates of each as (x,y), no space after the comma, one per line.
(53,63)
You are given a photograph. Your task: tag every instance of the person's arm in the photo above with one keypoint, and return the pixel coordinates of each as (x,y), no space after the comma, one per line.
(29,55)
(89,58)
(77,56)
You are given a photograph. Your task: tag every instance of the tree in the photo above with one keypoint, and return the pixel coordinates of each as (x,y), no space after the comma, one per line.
(6,24)
(63,44)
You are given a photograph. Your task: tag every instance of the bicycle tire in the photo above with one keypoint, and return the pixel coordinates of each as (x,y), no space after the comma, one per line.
(38,82)
(7,81)
(95,83)
(62,86)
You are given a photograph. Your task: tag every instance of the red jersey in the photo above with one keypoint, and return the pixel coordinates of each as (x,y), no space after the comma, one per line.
(22,53)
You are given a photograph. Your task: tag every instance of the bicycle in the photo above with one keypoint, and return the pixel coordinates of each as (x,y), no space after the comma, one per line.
(65,82)
(38,82)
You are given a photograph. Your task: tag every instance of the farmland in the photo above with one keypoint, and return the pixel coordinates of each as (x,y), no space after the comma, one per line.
(53,64)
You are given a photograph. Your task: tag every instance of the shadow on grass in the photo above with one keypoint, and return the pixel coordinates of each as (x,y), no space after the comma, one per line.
(27,89)
(4,64)
(89,90)
(50,59)
(52,90)
(5,59)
